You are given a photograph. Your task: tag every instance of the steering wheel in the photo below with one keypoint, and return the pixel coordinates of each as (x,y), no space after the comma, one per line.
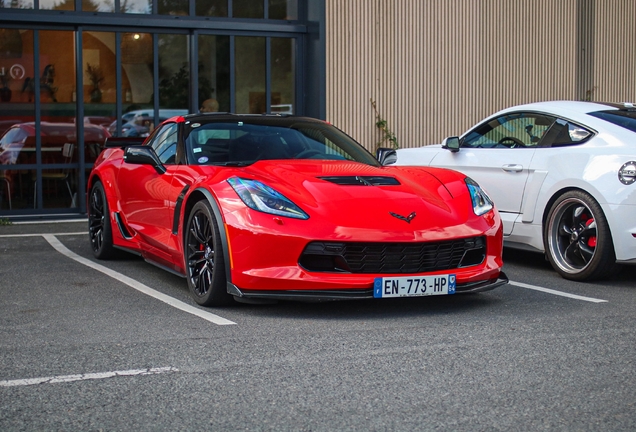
(306,154)
(511,142)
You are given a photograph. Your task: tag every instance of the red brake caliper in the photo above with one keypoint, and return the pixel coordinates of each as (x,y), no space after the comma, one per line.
(591,242)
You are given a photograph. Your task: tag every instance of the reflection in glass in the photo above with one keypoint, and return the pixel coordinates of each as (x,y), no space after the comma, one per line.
(98,5)
(250,75)
(137,65)
(282,70)
(173,7)
(20,4)
(57,4)
(212,8)
(283,9)
(174,72)
(98,54)
(9,182)
(136,6)
(214,72)
(16,73)
(59,188)
(248,9)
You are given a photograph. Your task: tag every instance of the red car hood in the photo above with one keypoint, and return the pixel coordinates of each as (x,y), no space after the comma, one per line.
(402,202)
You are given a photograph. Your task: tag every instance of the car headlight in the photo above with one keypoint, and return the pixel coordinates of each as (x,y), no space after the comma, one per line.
(482,203)
(261,197)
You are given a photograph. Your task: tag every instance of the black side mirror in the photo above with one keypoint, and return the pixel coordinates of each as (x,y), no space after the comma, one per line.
(143,155)
(451,143)
(386,156)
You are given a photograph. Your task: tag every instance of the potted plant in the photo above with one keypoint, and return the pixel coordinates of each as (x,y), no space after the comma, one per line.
(96,77)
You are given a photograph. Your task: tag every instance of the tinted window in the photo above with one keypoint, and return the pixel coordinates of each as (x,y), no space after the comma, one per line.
(165,143)
(517,130)
(626,119)
(230,142)
(564,133)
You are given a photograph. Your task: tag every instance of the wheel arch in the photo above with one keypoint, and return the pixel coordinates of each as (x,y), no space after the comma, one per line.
(200,194)
(550,202)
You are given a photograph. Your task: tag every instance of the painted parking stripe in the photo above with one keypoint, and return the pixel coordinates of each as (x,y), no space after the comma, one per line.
(40,234)
(84,377)
(558,293)
(137,285)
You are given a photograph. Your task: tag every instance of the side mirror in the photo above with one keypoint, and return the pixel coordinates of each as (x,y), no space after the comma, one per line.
(451,143)
(386,156)
(143,155)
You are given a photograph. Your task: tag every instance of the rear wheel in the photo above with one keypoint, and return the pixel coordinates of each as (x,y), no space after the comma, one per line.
(204,258)
(577,238)
(99,228)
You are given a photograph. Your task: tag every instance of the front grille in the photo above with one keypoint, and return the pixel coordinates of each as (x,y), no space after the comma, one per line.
(396,258)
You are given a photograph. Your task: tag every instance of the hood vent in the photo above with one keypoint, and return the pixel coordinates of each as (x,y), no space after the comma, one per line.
(362,180)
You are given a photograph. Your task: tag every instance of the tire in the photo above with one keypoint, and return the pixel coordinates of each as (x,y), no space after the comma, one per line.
(99,228)
(577,239)
(204,259)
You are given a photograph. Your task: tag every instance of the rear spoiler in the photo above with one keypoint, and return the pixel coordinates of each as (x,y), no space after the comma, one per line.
(121,142)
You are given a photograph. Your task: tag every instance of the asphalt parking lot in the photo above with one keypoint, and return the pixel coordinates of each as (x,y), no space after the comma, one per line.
(119,345)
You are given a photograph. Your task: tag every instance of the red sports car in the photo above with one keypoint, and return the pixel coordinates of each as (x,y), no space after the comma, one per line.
(263,207)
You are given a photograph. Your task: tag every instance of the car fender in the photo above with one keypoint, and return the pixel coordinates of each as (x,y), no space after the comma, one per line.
(194,196)
(419,155)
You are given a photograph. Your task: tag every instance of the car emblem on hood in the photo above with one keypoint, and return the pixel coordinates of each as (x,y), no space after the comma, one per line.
(407,219)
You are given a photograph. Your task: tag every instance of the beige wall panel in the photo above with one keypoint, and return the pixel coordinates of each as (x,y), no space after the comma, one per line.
(615,58)
(435,68)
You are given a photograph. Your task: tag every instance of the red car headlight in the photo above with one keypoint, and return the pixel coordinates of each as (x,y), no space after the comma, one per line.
(261,197)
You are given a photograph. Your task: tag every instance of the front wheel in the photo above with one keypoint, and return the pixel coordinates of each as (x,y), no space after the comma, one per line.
(577,238)
(99,228)
(205,264)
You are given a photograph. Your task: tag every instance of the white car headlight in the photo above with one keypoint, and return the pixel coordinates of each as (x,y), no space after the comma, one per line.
(482,203)
(261,197)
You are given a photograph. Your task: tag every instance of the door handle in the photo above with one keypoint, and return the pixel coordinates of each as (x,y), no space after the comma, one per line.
(512,168)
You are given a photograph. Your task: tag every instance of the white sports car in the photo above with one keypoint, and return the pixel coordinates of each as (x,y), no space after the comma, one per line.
(562,175)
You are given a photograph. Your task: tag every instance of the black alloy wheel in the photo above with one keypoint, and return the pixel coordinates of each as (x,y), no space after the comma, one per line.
(204,258)
(99,227)
(577,238)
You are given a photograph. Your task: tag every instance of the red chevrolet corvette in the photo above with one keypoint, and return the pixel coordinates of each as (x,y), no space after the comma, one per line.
(262,207)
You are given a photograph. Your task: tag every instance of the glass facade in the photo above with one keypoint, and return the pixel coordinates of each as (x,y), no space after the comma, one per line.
(65,87)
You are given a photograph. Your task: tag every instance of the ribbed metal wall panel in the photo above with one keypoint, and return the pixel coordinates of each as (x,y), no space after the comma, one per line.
(437,67)
(615,57)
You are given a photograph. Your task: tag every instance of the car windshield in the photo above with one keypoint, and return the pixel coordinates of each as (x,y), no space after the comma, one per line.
(244,142)
(623,118)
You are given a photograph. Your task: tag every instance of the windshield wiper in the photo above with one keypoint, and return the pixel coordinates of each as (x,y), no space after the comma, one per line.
(234,164)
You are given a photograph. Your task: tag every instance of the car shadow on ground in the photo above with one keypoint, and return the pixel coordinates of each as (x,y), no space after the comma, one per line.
(375,309)
(624,275)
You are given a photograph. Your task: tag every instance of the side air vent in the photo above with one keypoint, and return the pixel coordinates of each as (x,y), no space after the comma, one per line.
(362,180)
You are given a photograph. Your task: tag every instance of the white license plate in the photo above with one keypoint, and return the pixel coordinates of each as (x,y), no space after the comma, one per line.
(414,286)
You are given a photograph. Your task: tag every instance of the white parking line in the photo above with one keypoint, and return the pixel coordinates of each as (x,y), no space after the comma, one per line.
(40,234)
(558,293)
(83,377)
(136,285)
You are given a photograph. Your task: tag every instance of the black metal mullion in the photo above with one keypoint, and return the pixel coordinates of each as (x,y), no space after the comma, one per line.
(118,83)
(79,106)
(230,8)
(194,71)
(268,75)
(37,199)
(155,75)
(232,74)
(299,81)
